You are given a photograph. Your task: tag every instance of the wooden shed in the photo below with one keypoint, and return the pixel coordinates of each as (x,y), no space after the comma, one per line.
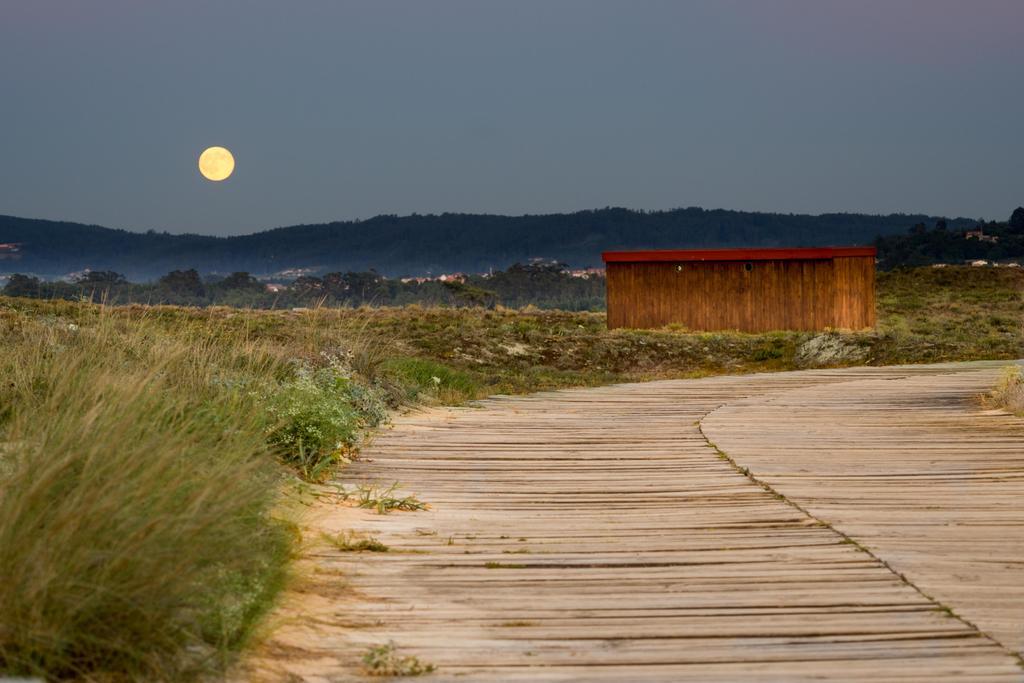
(751,290)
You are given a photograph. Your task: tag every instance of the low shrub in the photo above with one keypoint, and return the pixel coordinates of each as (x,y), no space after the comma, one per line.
(318,417)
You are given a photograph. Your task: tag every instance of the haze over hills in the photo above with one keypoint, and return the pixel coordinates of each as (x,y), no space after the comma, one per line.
(422,244)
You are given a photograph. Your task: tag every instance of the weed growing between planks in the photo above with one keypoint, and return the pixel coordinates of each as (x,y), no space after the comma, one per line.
(384,500)
(385,660)
(350,541)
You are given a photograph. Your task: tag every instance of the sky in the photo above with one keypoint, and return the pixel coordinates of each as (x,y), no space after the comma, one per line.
(340,110)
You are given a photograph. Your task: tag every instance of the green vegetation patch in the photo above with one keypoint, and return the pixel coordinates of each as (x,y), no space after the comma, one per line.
(319,415)
(427,379)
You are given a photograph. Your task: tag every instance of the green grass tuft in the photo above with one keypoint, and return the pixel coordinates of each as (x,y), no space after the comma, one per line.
(384,500)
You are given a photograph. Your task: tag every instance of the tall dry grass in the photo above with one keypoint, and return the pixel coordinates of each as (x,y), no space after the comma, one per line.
(1008,393)
(137,535)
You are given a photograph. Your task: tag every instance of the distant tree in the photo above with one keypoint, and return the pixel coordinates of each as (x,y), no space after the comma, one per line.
(365,287)
(183,283)
(240,280)
(356,288)
(334,284)
(919,229)
(1016,223)
(22,285)
(940,225)
(470,295)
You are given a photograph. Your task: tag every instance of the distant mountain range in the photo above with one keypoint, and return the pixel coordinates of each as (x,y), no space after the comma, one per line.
(423,244)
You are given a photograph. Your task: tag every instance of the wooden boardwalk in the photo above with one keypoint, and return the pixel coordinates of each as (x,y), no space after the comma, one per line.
(595,535)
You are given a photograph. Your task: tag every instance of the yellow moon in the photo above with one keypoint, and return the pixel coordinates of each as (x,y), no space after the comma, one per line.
(216,163)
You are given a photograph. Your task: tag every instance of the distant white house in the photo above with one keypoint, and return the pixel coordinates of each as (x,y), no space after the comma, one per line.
(587,273)
(293,273)
(980,235)
(446,277)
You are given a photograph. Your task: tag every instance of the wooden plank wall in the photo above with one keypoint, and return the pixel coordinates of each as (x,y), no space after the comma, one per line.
(855,293)
(725,295)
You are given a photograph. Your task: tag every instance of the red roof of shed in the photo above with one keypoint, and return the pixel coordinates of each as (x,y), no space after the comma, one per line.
(772,254)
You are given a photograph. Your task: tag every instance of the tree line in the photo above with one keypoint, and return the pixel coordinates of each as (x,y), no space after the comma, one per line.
(940,243)
(542,284)
(545,285)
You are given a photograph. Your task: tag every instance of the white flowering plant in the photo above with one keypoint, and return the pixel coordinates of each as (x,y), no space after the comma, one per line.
(317,417)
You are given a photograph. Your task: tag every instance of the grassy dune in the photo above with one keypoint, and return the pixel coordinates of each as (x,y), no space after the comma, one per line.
(143,458)
(145,452)
(137,535)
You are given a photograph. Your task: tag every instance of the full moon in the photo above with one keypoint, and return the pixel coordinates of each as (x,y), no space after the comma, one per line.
(216,163)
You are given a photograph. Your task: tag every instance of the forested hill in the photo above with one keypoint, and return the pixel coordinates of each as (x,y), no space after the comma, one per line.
(419,244)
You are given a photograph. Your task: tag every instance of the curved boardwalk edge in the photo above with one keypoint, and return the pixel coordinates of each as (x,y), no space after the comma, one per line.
(593,535)
(914,470)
